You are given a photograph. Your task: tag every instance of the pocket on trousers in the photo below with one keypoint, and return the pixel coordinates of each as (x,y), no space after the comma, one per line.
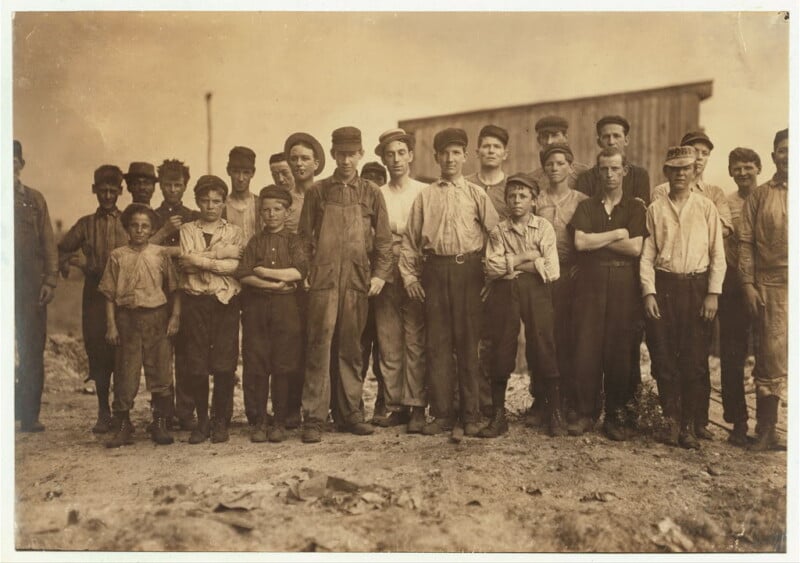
(359,280)
(321,276)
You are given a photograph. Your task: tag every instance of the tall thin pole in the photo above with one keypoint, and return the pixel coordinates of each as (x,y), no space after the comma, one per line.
(208,131)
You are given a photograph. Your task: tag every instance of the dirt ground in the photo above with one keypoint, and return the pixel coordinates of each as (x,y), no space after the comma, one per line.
(523,492)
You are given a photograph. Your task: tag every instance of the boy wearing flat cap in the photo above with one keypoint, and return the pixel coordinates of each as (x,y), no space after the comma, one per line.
(141,182)
(400,319)
(557,203)
(553,129)
(96,235)
(608,229)
(521,262)
(682,270)
(440,263)
(345,228)
(273,265)
(210,250)
(612,131)
(240,207)
(35,278)
(763,268)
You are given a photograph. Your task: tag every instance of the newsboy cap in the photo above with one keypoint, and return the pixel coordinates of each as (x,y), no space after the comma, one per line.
(613,119)
(140,170)
(241,157)
(678,157)
(310,140)
(696,137)
(552,123)
(346,139)
(449,136)
(274,192)
(553,148)
(108,174)
(210,182)
(17,149)
(781,135)
(520,178)
(394,135)
(374,168)
(493,131)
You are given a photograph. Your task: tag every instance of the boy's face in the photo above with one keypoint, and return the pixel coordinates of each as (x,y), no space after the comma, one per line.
(780,157)
(281,174)
(303,162)
(211,205)
(273,214)
(240,178)
(492,152)
(397,158)
(745,174)
(519,200)
(702,152)
(556,167)
(142,189)
(612,171)
(451,161)
(680,177)
(612,135)
(550,137)
(172,188)
(347,161)
(107,195)
(139,229)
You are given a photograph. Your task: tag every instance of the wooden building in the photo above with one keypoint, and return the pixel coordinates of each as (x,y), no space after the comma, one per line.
(659,117)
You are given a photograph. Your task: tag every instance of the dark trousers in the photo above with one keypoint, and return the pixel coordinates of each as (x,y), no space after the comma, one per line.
(452,319)
(295,398)
(100,353)
(563,292)
(182,388)
(30,330)
(526,298)
(679,343)
(734,337)
(606,309)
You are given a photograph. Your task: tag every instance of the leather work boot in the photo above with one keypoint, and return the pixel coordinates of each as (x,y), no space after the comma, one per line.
(360,428)
(277,433)
(159,433)
(614,431)
(738,436)
(471,429)
(219,429)
(293,420)
(687,439)
(557,427)
(103,424)
(32,426)
(672,432)
(123,436)
(437,426)
(583,424)
(417,420)
(703,433)
(767,417)
(394,418)
(497,426)
(187,423)
(258,432)
(535,416)
(201,432)
(312,432)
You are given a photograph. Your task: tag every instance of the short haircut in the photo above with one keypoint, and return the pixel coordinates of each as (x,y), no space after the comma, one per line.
(173,165)
(742,154)
(274,192)
(138,209)
(510,185)
(609,152)
(305,144)
(781,135)
(277,157)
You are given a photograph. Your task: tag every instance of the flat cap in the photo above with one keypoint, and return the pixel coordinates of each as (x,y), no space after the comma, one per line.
(394,135)
(210,182)
(310,140)
(274,192)
(374,168)
(449,136)
(493,131)
(679,156)
(277,157)
(781,135)
(552,123)
(141,170)
(241,157)
(613,119)
(108,174)
(553,148)
(520,178)
(346,139)
(693,137)
(17,149)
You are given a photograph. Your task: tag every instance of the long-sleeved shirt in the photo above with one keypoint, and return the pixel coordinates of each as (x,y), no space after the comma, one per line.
(736,205)
(509,238)
(764,238)
(636,183)
(377,235)
(559,212)
(446,219)
(543,181)
(683,242)
(710,191)
(398,207)
(96,235)
(293,217)
(496,193)
(138,278)
(165,211)
(276,251)
(244,214)
(35,252)
(215,276)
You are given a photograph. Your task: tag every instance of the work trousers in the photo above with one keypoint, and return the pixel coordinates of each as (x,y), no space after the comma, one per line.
(182,386)
(452,321)
(210,334)
(734,336)
(295,397)
(400,323)
(606,309)
(772,365)
(563,292)
(528,299)
(30,330)
(679,343)
(143,343)
(100,353)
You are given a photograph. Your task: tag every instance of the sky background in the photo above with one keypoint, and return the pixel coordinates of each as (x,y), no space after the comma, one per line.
(91,88)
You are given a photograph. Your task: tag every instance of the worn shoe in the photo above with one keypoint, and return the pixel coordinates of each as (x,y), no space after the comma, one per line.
(497,426)
(186,423)
(293,420)
(258,433)
(583,424)
(395,418)
(103,424)
(159,434)
(688,440)
(34,426)
(123,436)
(703,433)
(471,429)
(767,439)
(116,423)
(219,430)
(614,431)
(437,426)
(277,433)
(738,437)
(557,427)
(201,432)
(535,416)
(359,428)
(672,433)
(417,421)
(312,433)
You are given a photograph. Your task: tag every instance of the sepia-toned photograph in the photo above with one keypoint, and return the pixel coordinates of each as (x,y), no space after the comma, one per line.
(396,282)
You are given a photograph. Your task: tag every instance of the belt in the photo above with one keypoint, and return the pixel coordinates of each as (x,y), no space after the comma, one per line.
(612,263)
(674,276)
(452,259)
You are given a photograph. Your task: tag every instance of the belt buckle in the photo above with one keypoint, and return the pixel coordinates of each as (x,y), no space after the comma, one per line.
(459,259)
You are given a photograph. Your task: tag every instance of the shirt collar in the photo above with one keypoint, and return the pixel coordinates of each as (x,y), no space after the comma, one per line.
(103,213)
(338,179)
(459,183)
(19,187)
(533,223)
(284,232)
(776,183)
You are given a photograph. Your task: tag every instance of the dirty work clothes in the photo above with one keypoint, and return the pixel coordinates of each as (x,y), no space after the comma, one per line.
(542,180)
(496,193)
(96,235)
(526,298)
(271,348)
(138,277)
(734,336)
(143,343)
(35,253)
(211,338)
(711,192)
(635,184)
(400,323)
(244,214)
(679,343)
(100,353)
(337,222)
(165,211)
(772,366)
(452,321)
(563,293)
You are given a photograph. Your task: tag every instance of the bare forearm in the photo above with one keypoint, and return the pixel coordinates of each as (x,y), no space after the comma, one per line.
(627,247)
(282,274)
(111,319)
(593,241)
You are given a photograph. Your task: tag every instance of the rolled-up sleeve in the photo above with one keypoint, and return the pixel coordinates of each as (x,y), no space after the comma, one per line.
(716,252)
(495,265)
(647,272)
(549,250)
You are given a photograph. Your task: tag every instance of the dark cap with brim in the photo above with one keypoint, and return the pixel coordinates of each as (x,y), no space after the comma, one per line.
(305,138)
(449,136)
(520,178)
(17,149)
(346,139)
(374,168)
(141,170)
(613,119)
(693,137)
(553,148)
(108,174)
(781,135)
(552,123)
(210,182)
(494,131)
(394,135)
